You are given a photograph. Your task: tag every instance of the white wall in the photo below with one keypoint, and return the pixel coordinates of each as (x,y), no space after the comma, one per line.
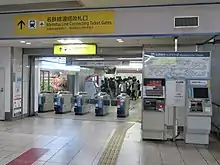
(5,62)
(215,68)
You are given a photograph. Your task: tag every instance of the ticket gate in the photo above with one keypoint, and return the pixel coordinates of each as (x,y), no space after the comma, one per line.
(82,105)
(45,101)
(103,104)
(123,105)
(63,102)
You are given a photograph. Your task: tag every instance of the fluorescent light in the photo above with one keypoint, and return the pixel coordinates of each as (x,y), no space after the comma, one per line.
(136,62)
(119,40)
(56,66)
(22,42)
(129,58)
(89,59)
(28,43)
(69,41)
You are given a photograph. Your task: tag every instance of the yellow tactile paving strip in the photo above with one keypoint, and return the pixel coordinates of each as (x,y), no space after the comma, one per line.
(111,153)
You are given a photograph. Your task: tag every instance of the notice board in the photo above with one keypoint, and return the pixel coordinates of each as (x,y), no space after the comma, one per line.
(176,93)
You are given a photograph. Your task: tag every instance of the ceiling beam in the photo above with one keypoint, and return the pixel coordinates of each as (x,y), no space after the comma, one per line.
(41,6)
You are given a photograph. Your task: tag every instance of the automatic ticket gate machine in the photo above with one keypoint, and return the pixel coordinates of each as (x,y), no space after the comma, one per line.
(123,105)
(82,105)
(46,101)
(103,104)
(153,113)
(198,122)
(63,102)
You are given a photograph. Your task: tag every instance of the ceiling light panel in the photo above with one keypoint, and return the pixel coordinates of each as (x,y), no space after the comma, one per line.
(119,40)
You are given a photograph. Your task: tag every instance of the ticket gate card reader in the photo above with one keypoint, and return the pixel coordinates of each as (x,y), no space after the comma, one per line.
(102,104)
(82,105)
(153,113)
(198,122)
(63,102)
(123,105)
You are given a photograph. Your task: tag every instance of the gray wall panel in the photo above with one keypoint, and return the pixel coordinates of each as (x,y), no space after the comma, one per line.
(144,21)
(215,71)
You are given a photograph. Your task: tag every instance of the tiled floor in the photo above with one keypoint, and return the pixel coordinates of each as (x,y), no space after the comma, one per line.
(81,142)
(137,152)
(68,141)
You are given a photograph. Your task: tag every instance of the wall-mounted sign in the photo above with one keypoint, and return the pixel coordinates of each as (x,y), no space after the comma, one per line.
(64,23)
(75,49)
(177,65)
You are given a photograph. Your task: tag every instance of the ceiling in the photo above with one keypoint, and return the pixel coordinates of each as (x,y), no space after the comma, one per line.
(111,42)
(102,3)
(89,3)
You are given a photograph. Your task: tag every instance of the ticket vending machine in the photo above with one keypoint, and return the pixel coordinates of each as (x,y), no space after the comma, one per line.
(198,122)
(153,122)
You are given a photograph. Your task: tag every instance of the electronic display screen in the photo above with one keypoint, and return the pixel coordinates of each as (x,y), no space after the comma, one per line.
(200,93)
(154,82)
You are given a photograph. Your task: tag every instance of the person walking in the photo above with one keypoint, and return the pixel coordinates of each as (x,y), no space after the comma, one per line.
(134,90)
(138,89)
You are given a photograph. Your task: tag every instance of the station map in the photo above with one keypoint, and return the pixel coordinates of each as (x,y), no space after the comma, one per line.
(181,65)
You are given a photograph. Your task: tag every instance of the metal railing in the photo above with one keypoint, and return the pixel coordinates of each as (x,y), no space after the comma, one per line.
(215,119)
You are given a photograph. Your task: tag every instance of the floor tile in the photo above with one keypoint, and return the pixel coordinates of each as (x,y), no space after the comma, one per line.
(52,163)
(81,140)
(39,163)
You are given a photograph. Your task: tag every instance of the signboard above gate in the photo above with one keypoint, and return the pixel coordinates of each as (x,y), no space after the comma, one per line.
(64,23)
(75,49)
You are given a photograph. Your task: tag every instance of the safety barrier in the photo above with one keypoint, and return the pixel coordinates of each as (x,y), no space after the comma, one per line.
(216,119)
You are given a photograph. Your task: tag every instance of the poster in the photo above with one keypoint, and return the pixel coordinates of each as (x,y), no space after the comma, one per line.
(17,89)
(175,93)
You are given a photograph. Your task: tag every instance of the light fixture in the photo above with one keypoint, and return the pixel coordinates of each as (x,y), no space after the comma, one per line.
(119,40)
(69,41)
(23,42)
(28,43)
(130,59)
(90,59)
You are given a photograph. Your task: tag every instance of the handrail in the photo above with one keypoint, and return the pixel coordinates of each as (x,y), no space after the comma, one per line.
(213,124)
(218,105)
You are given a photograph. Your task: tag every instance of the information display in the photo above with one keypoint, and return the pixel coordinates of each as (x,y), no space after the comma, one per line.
(177,65)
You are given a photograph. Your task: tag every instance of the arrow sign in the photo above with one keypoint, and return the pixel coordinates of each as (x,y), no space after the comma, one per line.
(21,24)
